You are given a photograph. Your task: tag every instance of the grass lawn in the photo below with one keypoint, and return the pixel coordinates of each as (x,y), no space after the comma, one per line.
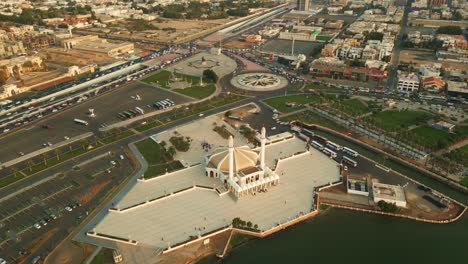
(160,169)
(104,257)
(157,165)
(323,38)
(353,106)
(198,92)
(459,155)
(279,103)
(431,137)
(393,119)
(320,87)
(308,117)
(163,76)
(151,151)
(464,182)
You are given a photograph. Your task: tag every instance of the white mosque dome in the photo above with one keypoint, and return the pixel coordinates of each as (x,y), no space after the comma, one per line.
(244,158)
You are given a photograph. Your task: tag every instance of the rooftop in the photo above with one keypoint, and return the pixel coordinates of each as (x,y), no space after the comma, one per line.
(388,192)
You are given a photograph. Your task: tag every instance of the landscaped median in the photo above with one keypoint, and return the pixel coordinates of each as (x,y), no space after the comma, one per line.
(193,109)
(56,156)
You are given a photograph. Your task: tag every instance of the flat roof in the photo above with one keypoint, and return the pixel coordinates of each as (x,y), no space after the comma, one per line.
(388,192)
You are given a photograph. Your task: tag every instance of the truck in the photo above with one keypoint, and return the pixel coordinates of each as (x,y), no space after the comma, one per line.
(47,126)
(79,121)
(139,110)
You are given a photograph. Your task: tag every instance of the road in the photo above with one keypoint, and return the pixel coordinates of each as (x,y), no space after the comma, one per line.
(392,77)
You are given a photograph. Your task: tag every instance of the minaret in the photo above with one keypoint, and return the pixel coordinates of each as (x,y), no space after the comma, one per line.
(262,149)
(231,158)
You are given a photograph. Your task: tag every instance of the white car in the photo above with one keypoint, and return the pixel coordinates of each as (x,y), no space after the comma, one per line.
(2,261)
(113,163)
(68,208)
(66,138)
(37,226)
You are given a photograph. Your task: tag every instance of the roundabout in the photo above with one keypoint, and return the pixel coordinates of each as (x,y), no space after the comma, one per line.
(259,82)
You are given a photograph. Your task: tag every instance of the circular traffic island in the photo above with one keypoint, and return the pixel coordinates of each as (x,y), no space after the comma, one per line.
(259,82)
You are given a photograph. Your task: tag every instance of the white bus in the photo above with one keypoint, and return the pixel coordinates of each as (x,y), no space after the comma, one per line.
(316,145)
(350,152)
(349,161)
(139,110)
(79,121)
(329,153)
(307,132)
(334,145)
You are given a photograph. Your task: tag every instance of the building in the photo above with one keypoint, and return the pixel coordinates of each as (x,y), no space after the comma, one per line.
(433,84)
(389,193)
(39,41)
(456,55)
(241,168)
(357,187)
(302,5)
(335,68)
(94,44)
(302,33)
(457,89)
(253,38)
(9,90)
(329,50)
(10,48)
(430,70)
(436,3)
(408,83)
(445,126)
(19,65)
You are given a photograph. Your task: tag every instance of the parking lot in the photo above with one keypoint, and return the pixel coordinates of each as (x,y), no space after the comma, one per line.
(106,108)
(57,204)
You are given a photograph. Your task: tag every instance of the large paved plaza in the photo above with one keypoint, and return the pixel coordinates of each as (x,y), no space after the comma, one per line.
(172,220)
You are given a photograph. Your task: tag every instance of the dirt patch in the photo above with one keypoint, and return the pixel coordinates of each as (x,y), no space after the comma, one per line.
(237,44)
(418,57)
(238,115)
(69,252)
(195,252)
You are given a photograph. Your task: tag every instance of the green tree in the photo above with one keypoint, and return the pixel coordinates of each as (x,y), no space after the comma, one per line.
(451,30)
(210,75)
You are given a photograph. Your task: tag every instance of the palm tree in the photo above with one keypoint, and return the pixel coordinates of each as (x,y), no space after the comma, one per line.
(57,151)
(44,156)
(30,165)
(14,170)
(84,142)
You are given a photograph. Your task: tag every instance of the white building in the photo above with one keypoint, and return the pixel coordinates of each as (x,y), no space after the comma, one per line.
(241,169)
(430,70)
(408,83)
(389,193)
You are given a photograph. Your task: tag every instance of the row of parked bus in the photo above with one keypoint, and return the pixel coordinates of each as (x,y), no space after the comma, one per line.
(330,149)
(131,113)
(163,104)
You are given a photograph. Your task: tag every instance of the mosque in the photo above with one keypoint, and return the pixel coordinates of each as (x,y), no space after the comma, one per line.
(241,169)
